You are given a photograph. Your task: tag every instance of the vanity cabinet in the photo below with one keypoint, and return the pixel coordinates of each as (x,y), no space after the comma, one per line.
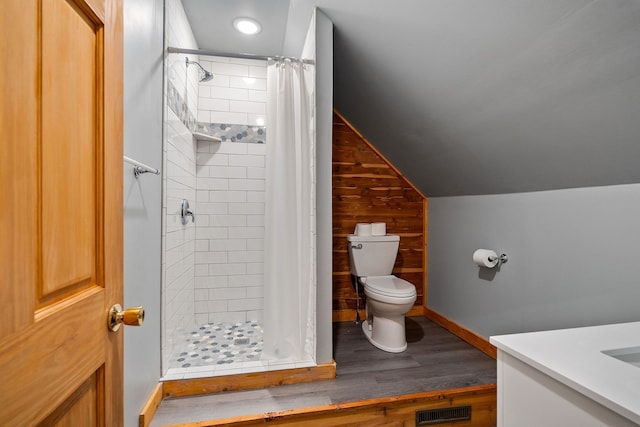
(528,397)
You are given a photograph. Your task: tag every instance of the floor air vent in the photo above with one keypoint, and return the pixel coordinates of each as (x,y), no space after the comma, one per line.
(443,415)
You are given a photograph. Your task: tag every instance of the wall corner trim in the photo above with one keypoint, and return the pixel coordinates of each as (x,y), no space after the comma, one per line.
(461,332)
(150,408)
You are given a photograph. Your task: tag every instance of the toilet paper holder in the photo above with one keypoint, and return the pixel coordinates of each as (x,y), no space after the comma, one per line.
(487,258)
(502,258)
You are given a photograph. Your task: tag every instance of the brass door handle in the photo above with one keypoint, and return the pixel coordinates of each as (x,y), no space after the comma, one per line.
(133,316)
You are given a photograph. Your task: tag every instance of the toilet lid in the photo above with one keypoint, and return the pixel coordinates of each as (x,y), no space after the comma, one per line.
(390,286)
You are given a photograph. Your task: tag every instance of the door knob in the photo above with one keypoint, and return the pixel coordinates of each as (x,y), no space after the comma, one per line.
(133,316)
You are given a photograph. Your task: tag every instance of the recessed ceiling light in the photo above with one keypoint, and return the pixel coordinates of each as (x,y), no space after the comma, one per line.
(247,25)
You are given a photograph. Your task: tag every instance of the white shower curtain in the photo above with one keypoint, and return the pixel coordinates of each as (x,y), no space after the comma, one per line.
(289,267)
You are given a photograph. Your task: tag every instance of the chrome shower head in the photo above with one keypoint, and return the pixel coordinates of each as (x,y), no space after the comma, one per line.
(205,75)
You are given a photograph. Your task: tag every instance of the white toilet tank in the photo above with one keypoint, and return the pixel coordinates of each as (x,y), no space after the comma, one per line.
(372,255)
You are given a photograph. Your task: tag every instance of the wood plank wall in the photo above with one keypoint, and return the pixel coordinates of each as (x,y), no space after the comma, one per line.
(367,188)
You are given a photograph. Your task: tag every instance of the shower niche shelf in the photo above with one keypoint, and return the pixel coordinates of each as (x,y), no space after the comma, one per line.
(199,136)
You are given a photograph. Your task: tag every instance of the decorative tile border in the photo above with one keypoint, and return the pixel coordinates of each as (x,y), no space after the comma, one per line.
(235,133)
(176,103)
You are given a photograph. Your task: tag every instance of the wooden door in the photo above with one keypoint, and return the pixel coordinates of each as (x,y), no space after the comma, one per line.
(61,212)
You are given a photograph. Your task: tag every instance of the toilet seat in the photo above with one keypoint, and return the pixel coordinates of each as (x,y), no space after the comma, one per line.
(389,289)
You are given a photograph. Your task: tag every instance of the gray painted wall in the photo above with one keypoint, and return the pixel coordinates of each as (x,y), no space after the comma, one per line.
(573,259)
(143,50)
(324,129)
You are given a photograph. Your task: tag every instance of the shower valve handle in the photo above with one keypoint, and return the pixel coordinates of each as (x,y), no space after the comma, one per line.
(185,212)
(190,213)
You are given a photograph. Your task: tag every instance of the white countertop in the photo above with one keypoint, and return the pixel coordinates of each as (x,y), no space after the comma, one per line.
(574,357)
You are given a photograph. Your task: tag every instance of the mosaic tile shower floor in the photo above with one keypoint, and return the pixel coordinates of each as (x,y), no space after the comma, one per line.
(215,349)
(218,344)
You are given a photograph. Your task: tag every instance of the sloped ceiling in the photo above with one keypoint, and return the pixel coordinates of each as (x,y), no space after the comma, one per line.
(490,96)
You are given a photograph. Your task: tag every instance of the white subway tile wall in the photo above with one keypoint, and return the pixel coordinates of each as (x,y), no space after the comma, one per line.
(236,95)
(230,194)
(229,231)
(179,182)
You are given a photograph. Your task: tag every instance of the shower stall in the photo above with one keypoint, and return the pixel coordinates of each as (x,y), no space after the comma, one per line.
(228,248)
(215,186)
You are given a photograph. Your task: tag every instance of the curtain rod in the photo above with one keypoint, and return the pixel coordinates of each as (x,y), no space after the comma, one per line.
(171,49)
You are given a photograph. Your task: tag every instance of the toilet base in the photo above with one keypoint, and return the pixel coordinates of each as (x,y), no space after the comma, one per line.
(369,334)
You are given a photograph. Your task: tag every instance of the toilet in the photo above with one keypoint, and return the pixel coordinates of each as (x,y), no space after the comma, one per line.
(389,298)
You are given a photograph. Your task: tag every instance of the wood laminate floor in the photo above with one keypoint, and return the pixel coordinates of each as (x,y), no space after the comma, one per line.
(434,360)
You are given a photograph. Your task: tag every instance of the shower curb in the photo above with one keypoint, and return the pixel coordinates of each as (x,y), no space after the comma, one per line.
(218,384)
